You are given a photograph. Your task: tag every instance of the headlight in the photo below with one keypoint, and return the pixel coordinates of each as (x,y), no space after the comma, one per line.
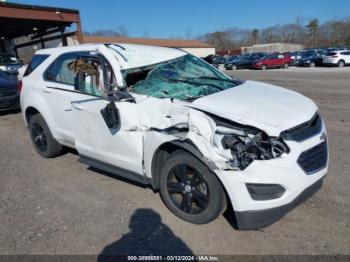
(249,145)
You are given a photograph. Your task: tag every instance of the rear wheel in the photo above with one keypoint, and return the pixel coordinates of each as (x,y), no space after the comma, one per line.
(263,67)
(190,190)
(42,139)
(341,63)
(312,64)
(285,65)
(234,67)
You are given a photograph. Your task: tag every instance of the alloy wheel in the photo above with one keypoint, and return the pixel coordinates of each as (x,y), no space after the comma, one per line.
(187,189)
(39,137)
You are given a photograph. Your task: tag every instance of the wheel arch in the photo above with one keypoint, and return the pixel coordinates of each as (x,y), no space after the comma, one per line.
(32,104)
(29,113)
(165,149)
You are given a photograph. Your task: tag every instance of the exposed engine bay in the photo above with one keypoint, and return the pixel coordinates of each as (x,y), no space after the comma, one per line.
(247,147)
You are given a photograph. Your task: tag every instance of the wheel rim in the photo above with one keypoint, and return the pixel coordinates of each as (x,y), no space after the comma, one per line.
(188,189)
(39,137)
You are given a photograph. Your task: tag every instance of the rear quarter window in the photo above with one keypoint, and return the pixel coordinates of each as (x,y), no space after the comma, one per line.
(36,61)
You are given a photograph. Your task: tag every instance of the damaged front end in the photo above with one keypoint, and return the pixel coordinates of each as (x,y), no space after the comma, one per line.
(224,145)
(247,144)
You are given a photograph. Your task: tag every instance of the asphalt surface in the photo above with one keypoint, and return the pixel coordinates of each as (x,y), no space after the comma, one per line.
(60,206)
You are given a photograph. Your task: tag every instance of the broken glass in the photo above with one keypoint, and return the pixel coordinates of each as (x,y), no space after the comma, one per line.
(183,78)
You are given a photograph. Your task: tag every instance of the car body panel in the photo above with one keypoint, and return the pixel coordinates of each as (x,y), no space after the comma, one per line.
(247,104)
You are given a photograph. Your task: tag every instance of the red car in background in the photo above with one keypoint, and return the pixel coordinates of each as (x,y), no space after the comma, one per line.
(274,60)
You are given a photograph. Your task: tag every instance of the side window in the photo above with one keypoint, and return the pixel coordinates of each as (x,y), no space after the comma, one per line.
(280,56)
(36,61)
(59,70)
(94,76)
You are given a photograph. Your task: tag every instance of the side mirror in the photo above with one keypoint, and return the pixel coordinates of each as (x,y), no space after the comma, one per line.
(111,115)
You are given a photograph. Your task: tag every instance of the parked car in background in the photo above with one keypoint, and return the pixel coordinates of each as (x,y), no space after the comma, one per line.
(10,64)
(275,60)
(218,60)
(9,96)
(311,59)
(295,57)
(244,62)
(337,58)
(208,58)
(167,119)
(228,65)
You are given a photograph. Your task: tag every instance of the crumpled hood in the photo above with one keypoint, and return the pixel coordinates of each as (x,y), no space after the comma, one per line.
(270,108)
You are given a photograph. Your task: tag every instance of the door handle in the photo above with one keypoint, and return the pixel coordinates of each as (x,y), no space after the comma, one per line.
(77,106)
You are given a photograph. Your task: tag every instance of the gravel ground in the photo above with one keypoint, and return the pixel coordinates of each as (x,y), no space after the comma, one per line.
(60,206)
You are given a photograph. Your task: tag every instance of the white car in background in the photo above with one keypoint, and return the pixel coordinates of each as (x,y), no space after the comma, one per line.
(162,117)
(338,58)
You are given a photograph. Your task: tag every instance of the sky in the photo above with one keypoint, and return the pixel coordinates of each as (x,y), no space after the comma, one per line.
(191,18)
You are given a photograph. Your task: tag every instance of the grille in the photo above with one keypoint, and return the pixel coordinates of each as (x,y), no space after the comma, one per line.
(304,131)
(314,159)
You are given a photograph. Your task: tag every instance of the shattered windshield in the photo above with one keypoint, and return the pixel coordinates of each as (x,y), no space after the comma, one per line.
(184,78)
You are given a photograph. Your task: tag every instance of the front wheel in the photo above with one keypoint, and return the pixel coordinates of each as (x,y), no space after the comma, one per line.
(286,65)
(263,67)
(190,190)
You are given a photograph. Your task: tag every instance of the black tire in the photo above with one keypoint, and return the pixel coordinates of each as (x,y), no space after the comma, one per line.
(42,139)
(190,190)
(341,63)
(264,67)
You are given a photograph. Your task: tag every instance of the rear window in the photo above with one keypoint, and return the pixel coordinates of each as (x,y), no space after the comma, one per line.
(36,61)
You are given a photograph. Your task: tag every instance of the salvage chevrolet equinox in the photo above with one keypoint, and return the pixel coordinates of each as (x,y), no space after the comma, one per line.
(167,119)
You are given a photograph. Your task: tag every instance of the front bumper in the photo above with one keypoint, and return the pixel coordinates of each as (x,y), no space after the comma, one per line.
(261,218)
(284,171)
(9,102)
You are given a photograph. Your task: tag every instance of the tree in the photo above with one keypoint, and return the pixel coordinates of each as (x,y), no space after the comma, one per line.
(313,28)
(255,35)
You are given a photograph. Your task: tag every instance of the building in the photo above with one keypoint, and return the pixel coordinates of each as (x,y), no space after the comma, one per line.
(36,25)
(194,47)
(272,47)
(25,28)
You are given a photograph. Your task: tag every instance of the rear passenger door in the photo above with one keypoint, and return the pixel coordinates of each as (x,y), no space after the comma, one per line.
(59,92)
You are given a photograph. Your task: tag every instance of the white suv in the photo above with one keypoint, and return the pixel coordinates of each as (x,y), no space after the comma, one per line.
(337,58)
(162,117)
